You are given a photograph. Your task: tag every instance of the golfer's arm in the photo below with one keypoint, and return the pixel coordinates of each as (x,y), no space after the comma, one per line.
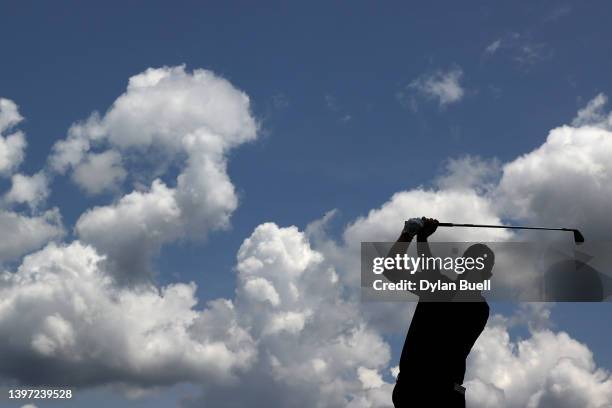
(400,247)
(424,249)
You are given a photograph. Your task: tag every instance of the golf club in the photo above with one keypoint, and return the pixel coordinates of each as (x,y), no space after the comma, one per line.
(578,237)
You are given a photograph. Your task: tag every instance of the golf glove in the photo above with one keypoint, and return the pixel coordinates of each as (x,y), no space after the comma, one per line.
(413,226)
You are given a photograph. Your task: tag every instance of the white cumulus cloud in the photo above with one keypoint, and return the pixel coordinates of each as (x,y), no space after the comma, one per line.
(593,114)
(563,182)
(28,233)
(131,231)
(547,369)
(315,350)
(99,172)
(189,119)
(66,315)
(12,146)
(32,190)
(442,86)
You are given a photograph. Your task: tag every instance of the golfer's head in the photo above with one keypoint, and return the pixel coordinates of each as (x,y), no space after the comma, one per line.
(487,257)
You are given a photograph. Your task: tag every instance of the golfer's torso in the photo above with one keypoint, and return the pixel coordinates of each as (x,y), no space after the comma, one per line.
(439,339)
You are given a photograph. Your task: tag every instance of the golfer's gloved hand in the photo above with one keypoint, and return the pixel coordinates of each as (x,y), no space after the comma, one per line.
(413,226)
(430,225)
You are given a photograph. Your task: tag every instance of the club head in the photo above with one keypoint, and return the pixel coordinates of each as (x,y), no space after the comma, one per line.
(578,237)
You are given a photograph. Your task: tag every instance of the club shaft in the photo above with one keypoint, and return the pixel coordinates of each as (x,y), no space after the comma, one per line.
(450,224)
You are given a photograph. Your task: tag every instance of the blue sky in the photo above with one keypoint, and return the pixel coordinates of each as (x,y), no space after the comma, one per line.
(337,90)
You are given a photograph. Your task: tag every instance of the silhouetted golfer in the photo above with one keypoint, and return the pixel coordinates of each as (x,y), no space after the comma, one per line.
(442,333)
